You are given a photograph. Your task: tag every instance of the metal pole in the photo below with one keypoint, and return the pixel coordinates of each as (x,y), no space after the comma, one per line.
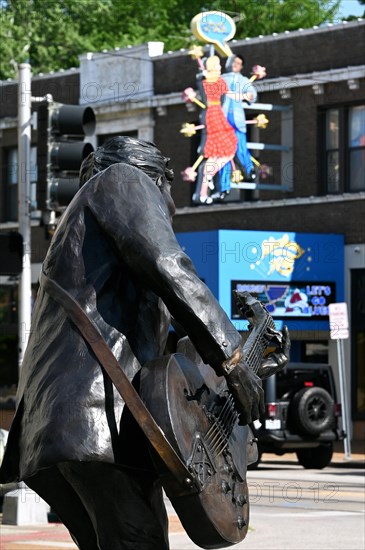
(24,141)
(343,391)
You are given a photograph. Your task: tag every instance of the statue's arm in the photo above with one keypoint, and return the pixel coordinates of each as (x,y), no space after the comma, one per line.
(248,89)
(131,210)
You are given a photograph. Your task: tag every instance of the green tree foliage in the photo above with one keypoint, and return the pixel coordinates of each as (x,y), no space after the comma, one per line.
(50,34)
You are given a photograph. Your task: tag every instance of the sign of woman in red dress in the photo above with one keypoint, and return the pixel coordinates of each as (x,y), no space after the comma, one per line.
(221,143)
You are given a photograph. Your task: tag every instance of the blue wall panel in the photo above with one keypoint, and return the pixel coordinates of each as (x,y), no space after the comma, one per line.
(295,274)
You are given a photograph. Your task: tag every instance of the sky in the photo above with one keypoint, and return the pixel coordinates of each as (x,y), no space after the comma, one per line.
(351,7)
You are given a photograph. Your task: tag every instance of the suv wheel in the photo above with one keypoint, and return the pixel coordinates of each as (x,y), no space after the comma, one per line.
(313,410)
(317,458)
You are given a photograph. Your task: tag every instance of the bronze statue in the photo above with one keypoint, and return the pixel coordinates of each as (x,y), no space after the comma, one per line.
(115,253)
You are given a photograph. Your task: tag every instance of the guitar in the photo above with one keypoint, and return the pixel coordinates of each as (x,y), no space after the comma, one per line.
(196,412)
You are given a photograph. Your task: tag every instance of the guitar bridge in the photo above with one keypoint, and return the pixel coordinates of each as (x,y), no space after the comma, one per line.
(201,462)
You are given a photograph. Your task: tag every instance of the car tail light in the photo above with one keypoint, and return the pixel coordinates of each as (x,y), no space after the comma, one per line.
(338,409)
(271,410)
(308,384)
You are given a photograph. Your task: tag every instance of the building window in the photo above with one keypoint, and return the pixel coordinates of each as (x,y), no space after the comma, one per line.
(356,147)
(344,156)
(332,151)
(11,175)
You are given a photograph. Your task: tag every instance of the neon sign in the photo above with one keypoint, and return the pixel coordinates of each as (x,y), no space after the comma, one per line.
(280,255)
(214,27)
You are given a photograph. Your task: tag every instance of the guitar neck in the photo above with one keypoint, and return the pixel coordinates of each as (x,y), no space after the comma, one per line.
(256,343)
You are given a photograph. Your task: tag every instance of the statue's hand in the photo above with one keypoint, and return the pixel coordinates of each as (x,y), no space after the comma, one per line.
(246,389)
(279,358)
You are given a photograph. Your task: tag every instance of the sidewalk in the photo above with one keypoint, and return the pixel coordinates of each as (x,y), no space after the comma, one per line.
(54,536)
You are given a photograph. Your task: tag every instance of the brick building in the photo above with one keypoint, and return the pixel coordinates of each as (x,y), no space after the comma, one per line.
(315,80)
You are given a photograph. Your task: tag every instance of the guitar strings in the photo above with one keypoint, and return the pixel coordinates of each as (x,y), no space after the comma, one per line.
(218,444)
(225,406)
(216,436)
(229,421)
(222,427)
(253,358)
(220,430)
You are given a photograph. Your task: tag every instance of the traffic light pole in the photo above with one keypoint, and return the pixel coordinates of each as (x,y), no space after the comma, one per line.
(24,143)
(63,150)
(17,508)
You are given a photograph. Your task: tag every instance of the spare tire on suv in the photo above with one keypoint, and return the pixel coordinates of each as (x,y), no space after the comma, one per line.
(312,410)
(317,457)
(301,415)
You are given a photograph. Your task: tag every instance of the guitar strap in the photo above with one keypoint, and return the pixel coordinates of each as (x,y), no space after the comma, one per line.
(105,356)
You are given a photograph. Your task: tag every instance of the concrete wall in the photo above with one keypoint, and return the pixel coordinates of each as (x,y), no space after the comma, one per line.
(118,75)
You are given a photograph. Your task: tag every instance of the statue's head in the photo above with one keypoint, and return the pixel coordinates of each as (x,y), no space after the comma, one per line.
(136,152)
(213,64)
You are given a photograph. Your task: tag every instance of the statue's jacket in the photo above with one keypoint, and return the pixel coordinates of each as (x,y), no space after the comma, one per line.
(115,252)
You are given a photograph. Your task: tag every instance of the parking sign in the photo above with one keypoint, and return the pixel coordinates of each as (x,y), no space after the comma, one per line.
(339,322)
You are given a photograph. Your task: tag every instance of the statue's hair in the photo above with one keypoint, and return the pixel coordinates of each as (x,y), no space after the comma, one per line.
(136,152)
(240,57)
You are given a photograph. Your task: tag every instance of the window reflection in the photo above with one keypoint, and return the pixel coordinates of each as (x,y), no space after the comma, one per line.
(357,148)
(332,146)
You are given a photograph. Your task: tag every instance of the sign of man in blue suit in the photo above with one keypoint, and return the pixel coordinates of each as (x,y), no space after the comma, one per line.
(234,111)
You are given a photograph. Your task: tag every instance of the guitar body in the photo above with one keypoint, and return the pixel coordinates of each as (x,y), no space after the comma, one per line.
(197,415)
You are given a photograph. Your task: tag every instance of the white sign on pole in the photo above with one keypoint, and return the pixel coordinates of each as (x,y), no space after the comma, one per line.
(339,326)
(339,321)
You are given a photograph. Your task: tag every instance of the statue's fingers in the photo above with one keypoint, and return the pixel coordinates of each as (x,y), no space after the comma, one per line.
(286,341)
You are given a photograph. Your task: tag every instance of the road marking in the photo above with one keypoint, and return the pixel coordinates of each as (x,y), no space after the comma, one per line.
(322,513)
(45,543)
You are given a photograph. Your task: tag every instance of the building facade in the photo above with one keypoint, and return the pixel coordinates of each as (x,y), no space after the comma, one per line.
(315,183)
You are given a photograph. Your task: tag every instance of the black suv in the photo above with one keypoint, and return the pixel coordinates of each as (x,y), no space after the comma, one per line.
(301,414)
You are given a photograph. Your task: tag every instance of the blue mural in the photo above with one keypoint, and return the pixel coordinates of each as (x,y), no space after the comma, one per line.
(296,275)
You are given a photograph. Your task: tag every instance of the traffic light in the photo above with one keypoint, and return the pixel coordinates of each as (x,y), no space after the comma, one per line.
(60,151)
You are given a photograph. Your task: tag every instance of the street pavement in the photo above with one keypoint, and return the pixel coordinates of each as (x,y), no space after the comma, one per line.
(291,508)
